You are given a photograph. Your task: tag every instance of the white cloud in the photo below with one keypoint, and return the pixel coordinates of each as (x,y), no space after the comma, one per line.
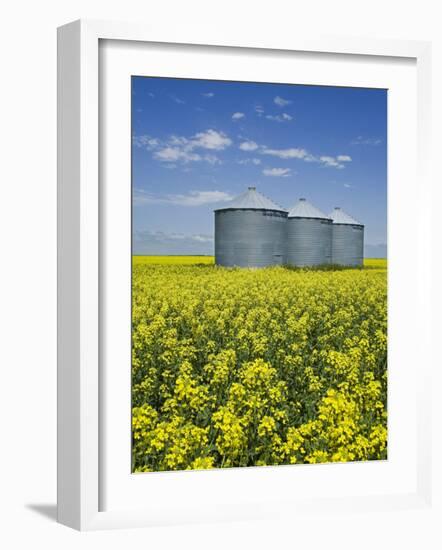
(182,149)
(174,154)
(348,185)
(177,99)
(254,161)
(248,146)
(291,153)
(212,159)
(178,140)
(199,198)
(277,172)
(193,198)
(281,102)
(280,118)
(211,139)
(329,161)
(237,116)
(259,109)
(360,140)
(335,162)
(310,158)
(145,141)
(208,94)
(303,154)
(202,238)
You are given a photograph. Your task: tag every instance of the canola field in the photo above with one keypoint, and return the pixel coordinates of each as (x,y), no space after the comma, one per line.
(255,367)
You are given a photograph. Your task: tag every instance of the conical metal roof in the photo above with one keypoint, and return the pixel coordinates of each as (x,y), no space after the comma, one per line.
(251,200)
(339,216)
(303,209)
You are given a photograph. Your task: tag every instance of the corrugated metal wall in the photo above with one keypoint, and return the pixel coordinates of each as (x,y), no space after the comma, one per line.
(347,244)
(309,241)
(250,238)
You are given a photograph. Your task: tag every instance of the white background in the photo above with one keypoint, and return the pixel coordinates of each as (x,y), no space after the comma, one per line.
(28,296)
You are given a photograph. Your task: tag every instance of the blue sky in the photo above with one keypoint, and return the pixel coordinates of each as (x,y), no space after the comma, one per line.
(198,143)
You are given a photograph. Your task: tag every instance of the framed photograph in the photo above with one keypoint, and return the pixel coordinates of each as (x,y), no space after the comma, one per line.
(236,220)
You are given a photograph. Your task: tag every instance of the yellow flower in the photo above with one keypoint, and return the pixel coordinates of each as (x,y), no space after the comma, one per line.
(238,367)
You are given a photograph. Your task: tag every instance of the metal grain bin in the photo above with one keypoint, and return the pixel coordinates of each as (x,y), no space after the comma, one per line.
(347,239)
(250,231)
(309,236)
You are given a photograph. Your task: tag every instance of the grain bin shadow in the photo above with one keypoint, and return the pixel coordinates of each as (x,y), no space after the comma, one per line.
(326,267)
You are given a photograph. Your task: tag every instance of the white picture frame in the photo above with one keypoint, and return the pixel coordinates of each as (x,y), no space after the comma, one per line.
(79,275)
